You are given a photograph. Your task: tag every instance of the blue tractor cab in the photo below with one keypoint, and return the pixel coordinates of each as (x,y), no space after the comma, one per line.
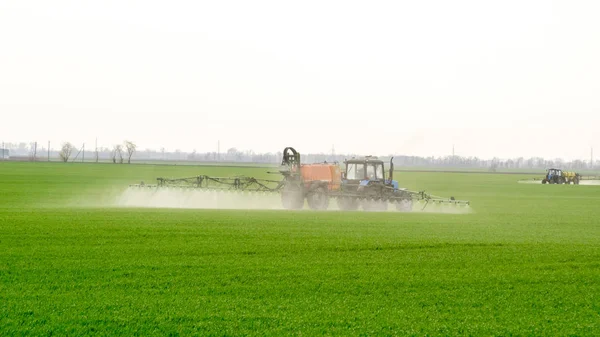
(368,171)
(365,179)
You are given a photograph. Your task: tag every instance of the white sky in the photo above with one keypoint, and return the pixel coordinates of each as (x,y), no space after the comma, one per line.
(494,78)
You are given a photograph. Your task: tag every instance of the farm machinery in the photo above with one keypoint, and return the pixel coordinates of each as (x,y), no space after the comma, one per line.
(559,176)
(362,183)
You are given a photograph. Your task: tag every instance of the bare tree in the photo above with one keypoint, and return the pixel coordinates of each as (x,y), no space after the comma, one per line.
(65,151)
(130,146)
(118,151)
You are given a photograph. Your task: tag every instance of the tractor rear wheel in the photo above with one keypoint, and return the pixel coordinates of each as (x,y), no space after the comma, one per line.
(318,199)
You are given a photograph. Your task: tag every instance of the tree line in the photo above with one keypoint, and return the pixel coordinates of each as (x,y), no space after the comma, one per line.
(124,152)
(128,148)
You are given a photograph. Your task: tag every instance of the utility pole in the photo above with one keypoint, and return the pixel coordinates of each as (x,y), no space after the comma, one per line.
(83,154)
(34,150)
(48,150)
(592,158)
(96,149)
(453,158)
(333,152)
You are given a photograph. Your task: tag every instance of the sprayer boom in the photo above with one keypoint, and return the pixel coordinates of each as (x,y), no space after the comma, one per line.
(217,183)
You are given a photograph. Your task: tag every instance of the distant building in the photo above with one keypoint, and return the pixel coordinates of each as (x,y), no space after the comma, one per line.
(4,154)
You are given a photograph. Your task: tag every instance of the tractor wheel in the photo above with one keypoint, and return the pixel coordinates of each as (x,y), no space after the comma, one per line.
(347,203)
(292,197)
(318,199)
(404,205)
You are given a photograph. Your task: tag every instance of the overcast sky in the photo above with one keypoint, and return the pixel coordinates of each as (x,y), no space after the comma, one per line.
(494,78)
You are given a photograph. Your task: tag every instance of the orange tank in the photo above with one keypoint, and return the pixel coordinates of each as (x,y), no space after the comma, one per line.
(322,172)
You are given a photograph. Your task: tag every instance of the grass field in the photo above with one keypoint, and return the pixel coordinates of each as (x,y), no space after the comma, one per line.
(526,261)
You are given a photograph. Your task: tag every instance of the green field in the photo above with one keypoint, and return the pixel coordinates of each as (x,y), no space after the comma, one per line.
(525,261)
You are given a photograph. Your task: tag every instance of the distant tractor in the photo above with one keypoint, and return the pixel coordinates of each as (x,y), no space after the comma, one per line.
(558,176)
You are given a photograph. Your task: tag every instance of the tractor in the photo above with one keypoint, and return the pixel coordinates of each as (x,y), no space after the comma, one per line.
(363,183)
(558,176)
(365,178)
